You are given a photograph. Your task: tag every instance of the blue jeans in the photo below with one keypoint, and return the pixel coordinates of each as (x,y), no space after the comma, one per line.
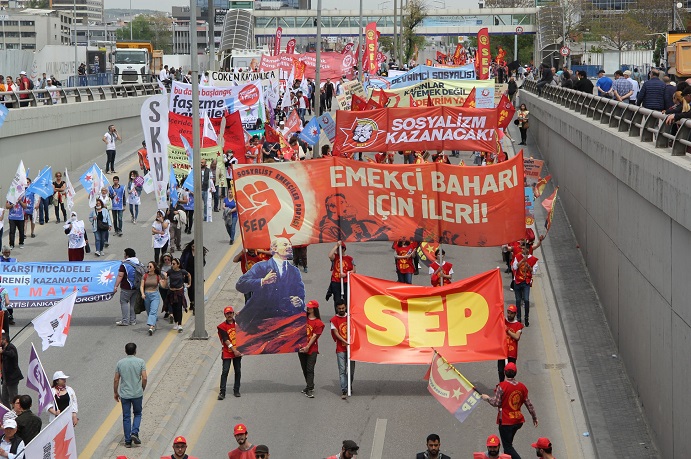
(231,228)
(43,214)
(342,358)
(405,278)
(151,303)
(117,220)
(101,237)
(205,196)
(131,427)
(134,210)
(522,292)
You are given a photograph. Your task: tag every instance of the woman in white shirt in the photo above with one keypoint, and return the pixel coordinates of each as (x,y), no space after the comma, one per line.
(65,398)
(76,238)
(160,230)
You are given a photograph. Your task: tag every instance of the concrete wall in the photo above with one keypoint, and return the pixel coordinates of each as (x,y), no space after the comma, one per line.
(66,135)
(630,208)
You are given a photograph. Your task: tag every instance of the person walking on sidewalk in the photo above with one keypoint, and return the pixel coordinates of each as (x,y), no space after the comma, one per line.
(339,333)
(109,139)
(148,288)
(522,122)
(128,387)
(514,330)
(308,353)
(229,352)
(509,396)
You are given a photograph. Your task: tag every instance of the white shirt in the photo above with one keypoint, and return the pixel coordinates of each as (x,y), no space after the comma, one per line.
(75,238)
(161,239)
(7,445)
(163,75)
(110,140)
(636,88)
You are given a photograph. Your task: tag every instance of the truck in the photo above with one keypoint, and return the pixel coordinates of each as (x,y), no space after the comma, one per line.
(136,63)
(245,59)
(679,60)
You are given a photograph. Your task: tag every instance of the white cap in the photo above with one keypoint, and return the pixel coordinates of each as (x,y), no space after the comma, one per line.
(59,375)
(22,72)
(9,424)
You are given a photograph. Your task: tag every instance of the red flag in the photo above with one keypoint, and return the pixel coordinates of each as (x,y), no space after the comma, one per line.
(271,134)
(548,204)
(505,112)
(484,54)
(369,61)
(451,388)
(277,41)
(347,48)
(383,98)
(441,57)
(357,104)
(429,101)
(429,62)
(470,100)
(293,123)
(540,186)
(372,104)
(457,54)
(290,46)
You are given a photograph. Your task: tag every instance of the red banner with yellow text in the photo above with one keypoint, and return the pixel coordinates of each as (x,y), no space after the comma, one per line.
(335,199)
(399,323)
(407,128)
(369,60)
(483,54)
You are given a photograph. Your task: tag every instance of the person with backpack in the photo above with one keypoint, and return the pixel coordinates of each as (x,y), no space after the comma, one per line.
(129,280)
(24,84)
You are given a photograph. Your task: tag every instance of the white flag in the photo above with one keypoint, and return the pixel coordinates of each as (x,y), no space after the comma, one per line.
(70,193)
(287,101)
(148,186)
(18,186)
(209,131)
(56,440)
(54,324)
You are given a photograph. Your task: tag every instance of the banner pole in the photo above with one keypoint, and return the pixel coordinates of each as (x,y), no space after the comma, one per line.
(441,264)
(348,372)
(340,268)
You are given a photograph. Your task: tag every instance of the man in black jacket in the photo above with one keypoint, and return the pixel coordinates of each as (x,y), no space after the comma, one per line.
(28,424)
(11,374)
(433,444)
(206,177)
(583,84)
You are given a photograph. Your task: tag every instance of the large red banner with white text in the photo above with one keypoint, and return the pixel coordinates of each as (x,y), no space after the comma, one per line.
(392,322)
(413,128)
(333,65)
(333,199)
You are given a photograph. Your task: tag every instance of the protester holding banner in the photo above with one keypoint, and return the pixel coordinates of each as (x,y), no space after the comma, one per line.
(108,205)
(341,265)
(440,274)
(524,266)
(308,353)
(100,224)
(11,374)
(404,250)
(65,398)
(30,201)
(16,218)
(339,333)
(76,238)
(514,330)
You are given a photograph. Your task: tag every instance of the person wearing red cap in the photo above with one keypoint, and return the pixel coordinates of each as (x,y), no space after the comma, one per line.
(524,266)
(308,353)
(543,448)
(509,396)
(229,352)
(179,449)
(493,445)
(514,329)
(341,265)
(245,449)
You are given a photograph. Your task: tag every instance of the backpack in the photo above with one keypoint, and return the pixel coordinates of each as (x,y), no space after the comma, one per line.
(139,271)
(31,83)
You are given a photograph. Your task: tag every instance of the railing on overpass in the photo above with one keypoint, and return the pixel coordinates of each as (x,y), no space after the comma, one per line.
(40,97)
(648,125)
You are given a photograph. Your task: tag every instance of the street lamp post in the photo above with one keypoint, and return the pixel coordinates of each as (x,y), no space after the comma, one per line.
(360,54)
(76,57)
(130,20)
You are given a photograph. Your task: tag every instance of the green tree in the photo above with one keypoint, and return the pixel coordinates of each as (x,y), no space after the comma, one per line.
(525,47)
(155,28)
(386,44)
(41,4)
(620,30)
(415,12)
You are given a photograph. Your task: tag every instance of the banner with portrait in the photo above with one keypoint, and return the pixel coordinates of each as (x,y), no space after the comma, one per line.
(333,199)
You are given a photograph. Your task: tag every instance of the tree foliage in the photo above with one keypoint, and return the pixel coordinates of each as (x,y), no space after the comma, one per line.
(386,44)
(155,28)
(620,31)
(41,4)
(415,12)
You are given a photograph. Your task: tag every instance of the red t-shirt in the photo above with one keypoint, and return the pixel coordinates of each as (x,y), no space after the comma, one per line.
(511,403)
(515,327)
(239,454)
(247,261)
(405,265)
(435,279)
(339,325)
(348,266)
(524,273)
(225,332)
(314,327)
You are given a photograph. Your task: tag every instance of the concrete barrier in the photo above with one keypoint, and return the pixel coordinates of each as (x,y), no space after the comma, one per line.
(629,205)
(66,135)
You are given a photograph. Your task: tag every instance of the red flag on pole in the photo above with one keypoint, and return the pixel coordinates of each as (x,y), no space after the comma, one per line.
(429,101)
(271,134)
(277,41)
(469,102)
(505,112)
(358,104)
(540,186)
(290,46)
(451,388)
(369,62)
(548,204)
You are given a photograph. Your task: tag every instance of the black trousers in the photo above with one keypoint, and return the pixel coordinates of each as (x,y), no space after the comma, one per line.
(14,226)
(237,368)
(506,433)
(500,367)
(308,362)
(524,134)
(110,160)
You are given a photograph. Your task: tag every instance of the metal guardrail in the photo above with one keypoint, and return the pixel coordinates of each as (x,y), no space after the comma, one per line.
(40,97)
(648,125)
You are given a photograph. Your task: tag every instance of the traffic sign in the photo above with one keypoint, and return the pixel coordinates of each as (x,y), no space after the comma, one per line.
(564,51)
(519,30)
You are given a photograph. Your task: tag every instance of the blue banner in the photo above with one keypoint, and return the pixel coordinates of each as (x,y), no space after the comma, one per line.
(189,181)
(173,181)
(34,285)
(424,72)
(3,113)
(43,184)
(328,125)
(310,133)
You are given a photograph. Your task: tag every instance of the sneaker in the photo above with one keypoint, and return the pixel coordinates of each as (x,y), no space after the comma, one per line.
(344,395)
(237,394)
(305,270)
(120,323)
(97,253)
(33,235)
(175,327)
(527,322)
(221,396)
(180,329)
(128,444)
(120,234)
(151,331)
(309,394)
(304,391)
(170,319)
(21,246)
(11,247)
(135,439)
(107,245)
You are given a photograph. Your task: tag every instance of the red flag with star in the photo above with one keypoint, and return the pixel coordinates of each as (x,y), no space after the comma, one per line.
(548,204)
(358,104)
(470,100)
(505,112)
(451,388)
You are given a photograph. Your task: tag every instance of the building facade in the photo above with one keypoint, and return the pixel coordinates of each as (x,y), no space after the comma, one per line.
(32,29)
(91,10)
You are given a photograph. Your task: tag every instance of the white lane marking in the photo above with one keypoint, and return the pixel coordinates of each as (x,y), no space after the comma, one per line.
(378,442)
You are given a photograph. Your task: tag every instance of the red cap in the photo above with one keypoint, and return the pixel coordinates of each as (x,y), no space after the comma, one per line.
(312,304)
(240,429)
(510,367)
(512,308)
(493,440)
(179,439)
(228,309)
(542,443)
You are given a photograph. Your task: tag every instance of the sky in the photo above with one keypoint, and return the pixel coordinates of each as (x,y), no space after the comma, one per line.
(165,5)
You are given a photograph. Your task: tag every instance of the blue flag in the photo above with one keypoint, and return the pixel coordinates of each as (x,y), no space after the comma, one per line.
(43,184)
(189,181)
(173,188)
(3,113)
(310,133)
(188,149)
(87,179)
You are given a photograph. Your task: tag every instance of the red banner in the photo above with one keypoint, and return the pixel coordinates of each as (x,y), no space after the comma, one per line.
(333,65)
(290,46)
(299,69)
(392,322)
(438,128)
(441,57)
(483,54)
(277,41)
(505,112)
(233,134)
(293,123)
(369,60)
(347,48)
(341,199)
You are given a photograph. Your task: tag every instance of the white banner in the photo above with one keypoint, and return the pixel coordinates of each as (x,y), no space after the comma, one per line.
(154,115)
(270,82)
(56,440)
